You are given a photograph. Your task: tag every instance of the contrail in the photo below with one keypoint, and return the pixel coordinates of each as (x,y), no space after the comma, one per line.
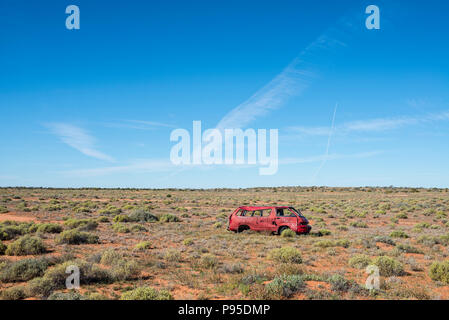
(326,155)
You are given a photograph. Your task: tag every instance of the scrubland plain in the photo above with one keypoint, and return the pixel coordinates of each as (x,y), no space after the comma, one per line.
(173,244)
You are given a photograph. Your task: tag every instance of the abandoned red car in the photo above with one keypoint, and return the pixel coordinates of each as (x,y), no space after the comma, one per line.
(273,219)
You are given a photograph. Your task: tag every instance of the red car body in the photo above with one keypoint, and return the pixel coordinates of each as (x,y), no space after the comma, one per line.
(273,218)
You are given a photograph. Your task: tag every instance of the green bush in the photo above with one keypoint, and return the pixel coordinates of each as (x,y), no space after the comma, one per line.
(138,228)
(439,271)
(288,233)
(336,243)
(120,228)
(23,270)
(11,229)
(122,218)
(286,255)
(359,261)
(408,248)
(141,215)
(388,266)
(72,295)
(14,293)
(339,283)
(2,248)
(26,245)
(110,210)
(208,261)
(81,224)
(110,257)
(285,286)
(146,293)
(121,269)
(169,218)
(144,245)
(358,224)
(398,234)
(3,209)
(46,228)
(76,237)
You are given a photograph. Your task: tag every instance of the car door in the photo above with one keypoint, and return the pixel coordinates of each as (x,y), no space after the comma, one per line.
(286,217)
(267,220)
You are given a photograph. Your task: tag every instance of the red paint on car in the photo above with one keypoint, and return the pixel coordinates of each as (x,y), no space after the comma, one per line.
(273,219)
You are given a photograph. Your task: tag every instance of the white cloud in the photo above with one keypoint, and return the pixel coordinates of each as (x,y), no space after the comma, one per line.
(292,81)
(78,139)
(373,125)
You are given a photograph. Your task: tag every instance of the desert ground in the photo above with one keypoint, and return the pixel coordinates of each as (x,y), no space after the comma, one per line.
(173,244)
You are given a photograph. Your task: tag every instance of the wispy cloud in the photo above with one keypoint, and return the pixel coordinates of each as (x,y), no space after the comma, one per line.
(373,125)
(78,139)
(293,80)
(139,125)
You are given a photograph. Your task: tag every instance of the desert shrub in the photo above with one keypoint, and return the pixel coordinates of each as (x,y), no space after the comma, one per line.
(11,229)
(144,245)
(125,270)
(102,219)
(439,271)
(55,278)
(358,224)
(138,228)
(169,218)
(72,295)
(110,257)
(407,248)
(14,293)
(172,255)
(121,218)
(208,261)
(325,232)
(41,287)
(142,215)
(3,209)
(46,228)
(232,268)
(76,237)
(120,228)
(359,261)
(288,233)
(402,215)
(286,255)
(81,224)
(218,225)
(339,283)
(146,293)
(89,273)
(388,266)
(110,210)
(2,248)
(385,239)
(330,243)
(23,270)
(26,245)
(398,234)
(188,242)
(285,286)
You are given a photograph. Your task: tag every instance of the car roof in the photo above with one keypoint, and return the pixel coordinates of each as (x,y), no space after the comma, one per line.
(262,208)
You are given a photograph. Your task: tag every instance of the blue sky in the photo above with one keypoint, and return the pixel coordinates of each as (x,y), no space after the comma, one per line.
(96,106)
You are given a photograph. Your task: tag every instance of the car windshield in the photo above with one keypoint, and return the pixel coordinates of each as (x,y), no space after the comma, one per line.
(297,211)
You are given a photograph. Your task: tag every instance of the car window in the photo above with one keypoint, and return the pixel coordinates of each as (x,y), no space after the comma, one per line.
(284,213)
(266,213)
(239,213)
